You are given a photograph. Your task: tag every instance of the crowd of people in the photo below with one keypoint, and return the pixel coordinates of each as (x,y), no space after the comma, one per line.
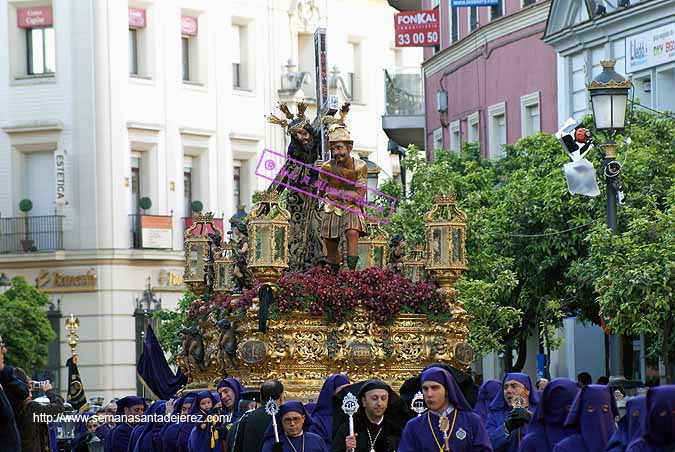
(433,412)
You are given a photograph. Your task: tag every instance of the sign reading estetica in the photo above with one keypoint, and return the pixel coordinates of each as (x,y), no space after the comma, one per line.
(650,48)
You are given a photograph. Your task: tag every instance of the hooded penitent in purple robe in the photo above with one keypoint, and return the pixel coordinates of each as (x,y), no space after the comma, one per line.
(499,411)
(486,394)
(201,441)
(466,433)
(309,442)
(169,433)
(237,388)
(658,422)
(629,427)
(141,427)
(547,426)
(119,437)
(322,416)
(150,439)
(592,415)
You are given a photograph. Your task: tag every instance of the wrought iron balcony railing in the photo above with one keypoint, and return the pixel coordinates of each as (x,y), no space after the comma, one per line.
(31,233)
(404,92)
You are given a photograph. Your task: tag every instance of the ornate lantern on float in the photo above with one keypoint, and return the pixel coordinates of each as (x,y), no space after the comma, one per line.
(413,264)
(196,248)
(374,247)
(268,228)
(445,230)
(224,270)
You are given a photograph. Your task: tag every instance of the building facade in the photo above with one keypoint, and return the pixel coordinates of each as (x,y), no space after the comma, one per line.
(117,116)
(496,73)
(639,36)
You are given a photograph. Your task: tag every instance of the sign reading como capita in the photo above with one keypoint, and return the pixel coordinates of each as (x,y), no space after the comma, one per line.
(34,17)
(417,28)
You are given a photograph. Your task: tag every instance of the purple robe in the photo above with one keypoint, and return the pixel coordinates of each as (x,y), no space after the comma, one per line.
(169,433)
(312,443)
(629,427)
(486,394)
(149,439)
(186,428)
(118,438)
(467,433)
(499,411)
(322,415)
(547,426)
(592,415)
(659,422)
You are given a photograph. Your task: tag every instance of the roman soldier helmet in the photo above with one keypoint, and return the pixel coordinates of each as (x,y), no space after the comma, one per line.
(292,123)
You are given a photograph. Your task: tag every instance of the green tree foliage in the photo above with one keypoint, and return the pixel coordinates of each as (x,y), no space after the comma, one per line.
(633,273)
(171,322)
(24,325)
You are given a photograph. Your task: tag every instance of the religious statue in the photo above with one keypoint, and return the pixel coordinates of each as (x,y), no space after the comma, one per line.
(305,248)
(227,345)
(192,344)
(396,252)
(242,274)
(347,191)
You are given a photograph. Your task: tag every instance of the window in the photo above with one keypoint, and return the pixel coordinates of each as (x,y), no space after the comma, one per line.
(187,186)
(236,56)
(236,186)
(497,130)
(665,83)
(473,18)
(306,62)
(135,183)
(240,57)
(530,122)
(38,183)
(41,51)
(133,51)
(138,61)
(474,128)
(455,137)
(438,139)
(185,42)
(454,23)
(355,74)
(497,10)
(529,2)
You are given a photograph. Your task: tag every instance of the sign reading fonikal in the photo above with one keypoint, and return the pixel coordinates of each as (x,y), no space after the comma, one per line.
(57,281)
(417,28)
(650,48)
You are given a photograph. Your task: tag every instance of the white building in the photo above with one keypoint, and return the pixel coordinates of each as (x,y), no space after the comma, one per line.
(106,102)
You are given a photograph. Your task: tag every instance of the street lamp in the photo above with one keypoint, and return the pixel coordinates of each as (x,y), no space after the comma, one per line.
(609,97)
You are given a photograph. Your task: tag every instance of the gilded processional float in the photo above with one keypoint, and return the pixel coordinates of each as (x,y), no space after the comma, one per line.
(262,312)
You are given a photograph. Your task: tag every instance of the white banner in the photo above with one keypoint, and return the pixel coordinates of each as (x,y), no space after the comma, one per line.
(650,48)
(60,176)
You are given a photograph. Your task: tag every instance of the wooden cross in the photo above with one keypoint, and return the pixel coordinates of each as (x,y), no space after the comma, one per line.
(325,104)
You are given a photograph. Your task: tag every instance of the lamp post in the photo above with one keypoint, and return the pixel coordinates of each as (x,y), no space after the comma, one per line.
(609,97)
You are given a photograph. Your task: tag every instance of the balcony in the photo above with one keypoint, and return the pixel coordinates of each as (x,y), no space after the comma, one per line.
(403,119)
(406,5)
(31,234)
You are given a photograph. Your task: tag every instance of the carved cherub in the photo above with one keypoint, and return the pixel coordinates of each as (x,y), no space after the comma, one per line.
(192,349)
(227,345)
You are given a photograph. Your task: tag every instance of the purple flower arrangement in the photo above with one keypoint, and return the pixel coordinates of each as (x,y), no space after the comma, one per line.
(320,292)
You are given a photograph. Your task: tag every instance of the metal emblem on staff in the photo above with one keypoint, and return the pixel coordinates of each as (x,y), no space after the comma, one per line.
(350,405)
